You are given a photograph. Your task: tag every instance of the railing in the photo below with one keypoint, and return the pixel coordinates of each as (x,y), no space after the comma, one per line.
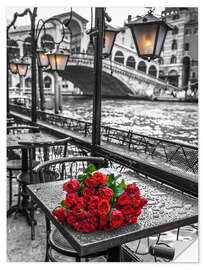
(183,157)
(121,69)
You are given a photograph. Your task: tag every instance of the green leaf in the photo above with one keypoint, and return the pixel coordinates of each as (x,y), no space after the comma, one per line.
(118,192)
(64,206)
(91,168)
(110,178)
(122,184)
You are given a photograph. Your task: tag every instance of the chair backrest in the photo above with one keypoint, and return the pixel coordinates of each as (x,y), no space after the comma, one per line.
(22,129)
(66,168)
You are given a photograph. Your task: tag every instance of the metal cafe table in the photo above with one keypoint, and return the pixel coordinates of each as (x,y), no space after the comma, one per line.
(18,141)
(167,209)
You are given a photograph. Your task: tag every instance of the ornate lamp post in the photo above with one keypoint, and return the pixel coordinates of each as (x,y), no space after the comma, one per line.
(149,34)
(58,60)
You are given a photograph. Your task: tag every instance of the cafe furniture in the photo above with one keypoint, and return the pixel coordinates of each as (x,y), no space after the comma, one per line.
(14,160)
(167,209)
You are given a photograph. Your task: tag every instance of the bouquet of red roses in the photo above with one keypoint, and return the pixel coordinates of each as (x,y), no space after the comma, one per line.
(95,201)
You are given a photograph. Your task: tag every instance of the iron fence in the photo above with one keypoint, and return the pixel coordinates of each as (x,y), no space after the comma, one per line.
(183,157)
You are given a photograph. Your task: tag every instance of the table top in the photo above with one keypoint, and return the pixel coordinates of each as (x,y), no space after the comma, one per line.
(167,209)
(17,140)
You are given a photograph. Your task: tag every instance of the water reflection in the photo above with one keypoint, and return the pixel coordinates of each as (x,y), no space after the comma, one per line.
(172,121)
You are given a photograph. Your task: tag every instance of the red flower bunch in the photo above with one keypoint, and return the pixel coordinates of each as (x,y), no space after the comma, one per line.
(95,201)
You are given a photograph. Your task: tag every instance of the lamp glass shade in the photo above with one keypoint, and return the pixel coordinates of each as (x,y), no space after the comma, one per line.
(145,37)
(58,61)
(14,68)
(149,34)
(109,42)
(42,59)
(160,40)
(22,69)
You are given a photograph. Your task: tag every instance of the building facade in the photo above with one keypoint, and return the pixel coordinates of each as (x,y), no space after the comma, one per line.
(179,58)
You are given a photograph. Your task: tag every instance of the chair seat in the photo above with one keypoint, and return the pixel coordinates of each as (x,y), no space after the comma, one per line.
(16,164)
(58,242)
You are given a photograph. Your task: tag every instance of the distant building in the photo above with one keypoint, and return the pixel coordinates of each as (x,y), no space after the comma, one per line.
(179,59)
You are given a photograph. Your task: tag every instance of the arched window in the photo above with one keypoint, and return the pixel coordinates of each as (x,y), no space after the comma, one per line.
(47,42)
(193,75)
(27,46)
(130,62)
(47,82)
(142,66)
(187,46)
(119,57)
(173,77)
(152,71)
(173,59)
(175,30)
(13,49)
(161,61)
(90,48)
(174,45)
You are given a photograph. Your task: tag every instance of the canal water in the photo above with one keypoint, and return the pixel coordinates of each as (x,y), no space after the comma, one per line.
(168,120)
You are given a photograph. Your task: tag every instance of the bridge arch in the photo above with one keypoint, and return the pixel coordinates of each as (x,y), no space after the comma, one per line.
(142,66)
(152,71)
(130,62)
(119,57)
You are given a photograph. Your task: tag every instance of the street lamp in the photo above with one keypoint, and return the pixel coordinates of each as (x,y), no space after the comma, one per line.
(110,34)
(19,67)
(149,34)
(42,57)
(58,60)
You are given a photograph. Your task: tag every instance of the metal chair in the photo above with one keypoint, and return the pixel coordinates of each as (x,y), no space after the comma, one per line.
(37,152)
(14,161)
(63,169)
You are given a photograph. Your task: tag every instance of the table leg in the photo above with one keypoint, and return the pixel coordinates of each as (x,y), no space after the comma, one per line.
(114,254)
(24,160)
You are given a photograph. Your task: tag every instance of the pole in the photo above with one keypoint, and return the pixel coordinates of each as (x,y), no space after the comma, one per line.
(7,77)
(56,92)
(41,88)
(33,67)
(96,122)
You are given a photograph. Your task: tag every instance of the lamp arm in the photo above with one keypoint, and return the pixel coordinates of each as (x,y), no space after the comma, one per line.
(16,15)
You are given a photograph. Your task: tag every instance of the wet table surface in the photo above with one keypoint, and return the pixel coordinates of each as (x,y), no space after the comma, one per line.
(166,209)
(16,140)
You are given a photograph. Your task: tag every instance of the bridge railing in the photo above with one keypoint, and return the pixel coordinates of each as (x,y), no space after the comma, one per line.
(172,154)
(120,68)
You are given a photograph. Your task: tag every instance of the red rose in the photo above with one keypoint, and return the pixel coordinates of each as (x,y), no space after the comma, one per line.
(116,218)
(94,200)
(130,219)
(105,193)
(103,220)
(88,192)
(94,221)
(103,207)
(123,199)
(90,182)
(143,202)
(71,220)
(135,202)
(70,197)
(75,211)
(128,209)
(59,214)
(85,227)
(82,215)
(80,203)
(71,185)
(132,188)
(100,178)
(92,211)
